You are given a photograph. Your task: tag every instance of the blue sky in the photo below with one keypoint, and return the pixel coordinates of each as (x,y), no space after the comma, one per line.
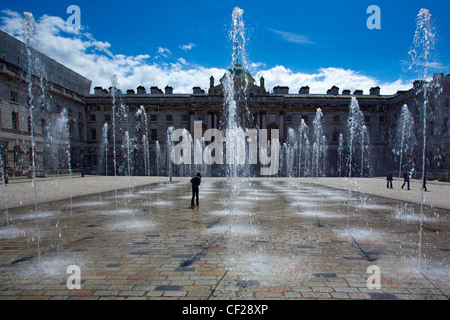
(182,43)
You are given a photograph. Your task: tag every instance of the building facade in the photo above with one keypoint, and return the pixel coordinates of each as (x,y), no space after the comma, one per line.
(127,132)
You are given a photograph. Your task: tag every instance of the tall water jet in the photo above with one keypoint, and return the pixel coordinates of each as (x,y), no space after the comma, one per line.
(319,144)
(105,146)
(169,152)
(5,194)
(31,37)
(158,158)
(302,147)
(340,153)
(69,160)
(113,92)
(365,150)
(61,125)
(406,140)
(290,152)
(357,134)
(237,37)
(142,115)
(421,54)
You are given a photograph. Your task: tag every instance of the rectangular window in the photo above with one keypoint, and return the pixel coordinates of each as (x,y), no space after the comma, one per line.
(15,120)
(382,119)
(288,118)
(154,134)
(168,118)
(335,136)
(184,118)
(153,118)
(93,134)
(13,96)
(336,119)
(201,117)
(92,118)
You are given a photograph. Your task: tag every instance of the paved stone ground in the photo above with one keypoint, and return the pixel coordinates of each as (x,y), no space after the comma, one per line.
(274,239)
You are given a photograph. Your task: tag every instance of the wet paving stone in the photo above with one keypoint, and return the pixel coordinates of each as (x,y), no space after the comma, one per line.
(383,296)
(325,275)
(270,247)
(168,288)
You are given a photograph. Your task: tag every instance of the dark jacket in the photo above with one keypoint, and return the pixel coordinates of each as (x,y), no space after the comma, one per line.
(196,181)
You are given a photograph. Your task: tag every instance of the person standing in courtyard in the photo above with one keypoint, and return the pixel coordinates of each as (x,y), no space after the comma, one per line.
(389,180)
(406,179)
(195,181)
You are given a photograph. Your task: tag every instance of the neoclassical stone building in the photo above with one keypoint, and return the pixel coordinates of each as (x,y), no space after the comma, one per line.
(144,115)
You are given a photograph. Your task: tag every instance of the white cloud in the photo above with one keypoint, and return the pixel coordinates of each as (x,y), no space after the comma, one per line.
(81,52)
(325,78)
(164,52)
(187,47)
(292,37)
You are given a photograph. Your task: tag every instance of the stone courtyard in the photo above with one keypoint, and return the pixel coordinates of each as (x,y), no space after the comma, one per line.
(278,238)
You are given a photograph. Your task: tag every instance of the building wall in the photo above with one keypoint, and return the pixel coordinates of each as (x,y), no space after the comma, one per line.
(87,147)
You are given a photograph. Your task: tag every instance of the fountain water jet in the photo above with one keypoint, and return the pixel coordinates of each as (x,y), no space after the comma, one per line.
(114,88)
(5,194)
(30,31)
(423,46)
(105,146)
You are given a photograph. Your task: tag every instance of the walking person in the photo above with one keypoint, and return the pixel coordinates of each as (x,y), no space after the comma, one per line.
(424,185)
(406,179)
(195,181)
(389,179)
